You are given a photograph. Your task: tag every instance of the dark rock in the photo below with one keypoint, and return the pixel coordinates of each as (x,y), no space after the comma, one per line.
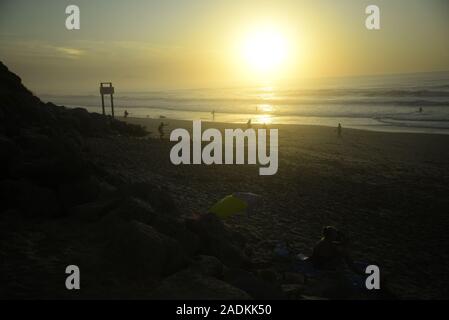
(293,291)
(139,210)
(130,209)
(19,108)
(82,121)
(32,200)
(8,152)
(66,168)
(17,104)
(216,240)
(257,288)
(92,211)
(190,285)
(79,192)
(208,265)
(38,145)
(330,285)
(138,250)
(127,128)
(294,277)
(158,197)
(268,275)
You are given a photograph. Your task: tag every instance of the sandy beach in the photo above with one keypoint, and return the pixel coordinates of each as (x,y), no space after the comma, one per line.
(225,155)
(386,191)
(84,189)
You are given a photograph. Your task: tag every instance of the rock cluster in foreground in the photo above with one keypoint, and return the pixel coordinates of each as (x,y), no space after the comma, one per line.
(129,239)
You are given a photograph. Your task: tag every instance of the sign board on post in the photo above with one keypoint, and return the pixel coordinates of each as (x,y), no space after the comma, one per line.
(107,88)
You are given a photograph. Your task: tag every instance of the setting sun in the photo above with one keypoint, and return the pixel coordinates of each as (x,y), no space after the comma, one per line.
(265,50)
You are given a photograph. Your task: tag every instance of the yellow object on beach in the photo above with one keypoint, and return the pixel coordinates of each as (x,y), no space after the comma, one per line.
(229,206)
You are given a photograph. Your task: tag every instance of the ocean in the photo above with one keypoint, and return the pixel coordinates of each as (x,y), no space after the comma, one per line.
(405,103)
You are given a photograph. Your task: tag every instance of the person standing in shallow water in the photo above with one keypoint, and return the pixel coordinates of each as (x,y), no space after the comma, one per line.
(339,129)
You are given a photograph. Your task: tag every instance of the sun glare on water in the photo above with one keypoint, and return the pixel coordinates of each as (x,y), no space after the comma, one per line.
(263,119)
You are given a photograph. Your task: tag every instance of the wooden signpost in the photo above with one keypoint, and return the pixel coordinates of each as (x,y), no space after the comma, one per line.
(107,88)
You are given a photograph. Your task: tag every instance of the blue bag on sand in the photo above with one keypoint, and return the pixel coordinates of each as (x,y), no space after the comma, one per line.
(358,280)
(303,265)
(281,250)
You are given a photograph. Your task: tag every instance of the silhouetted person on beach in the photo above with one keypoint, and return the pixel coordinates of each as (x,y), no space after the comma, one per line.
(330,253)
(161,130)
(248,124)
(213,115)
(125,114)
(339,129)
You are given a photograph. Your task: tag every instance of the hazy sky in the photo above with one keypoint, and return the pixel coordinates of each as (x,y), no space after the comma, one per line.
(151,45)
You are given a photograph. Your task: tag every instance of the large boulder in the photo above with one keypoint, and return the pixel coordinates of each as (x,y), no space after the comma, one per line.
(216,240)
(139,210)
(82,120)
(256,287)
(17,104)
(157,196)
(8,152)
(134,209)
(293,291)
(92,211)
(191,285)
(138,251)
(53,170)
(79,192)
(208,265)
(33,200)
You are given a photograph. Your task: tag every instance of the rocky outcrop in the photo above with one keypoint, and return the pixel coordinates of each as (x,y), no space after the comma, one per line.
(58,207)
(217,241)
(139,250)
(42,151)
(20,109)
(190,285)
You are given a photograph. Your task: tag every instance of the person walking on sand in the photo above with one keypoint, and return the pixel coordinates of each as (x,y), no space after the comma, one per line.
(213,115)
(248,124)
(125,114)
(339,130)
(161,130)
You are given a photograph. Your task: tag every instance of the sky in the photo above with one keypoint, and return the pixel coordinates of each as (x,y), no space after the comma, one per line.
(144,45)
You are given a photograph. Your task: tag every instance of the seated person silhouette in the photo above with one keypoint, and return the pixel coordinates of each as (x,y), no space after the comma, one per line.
(330,253)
